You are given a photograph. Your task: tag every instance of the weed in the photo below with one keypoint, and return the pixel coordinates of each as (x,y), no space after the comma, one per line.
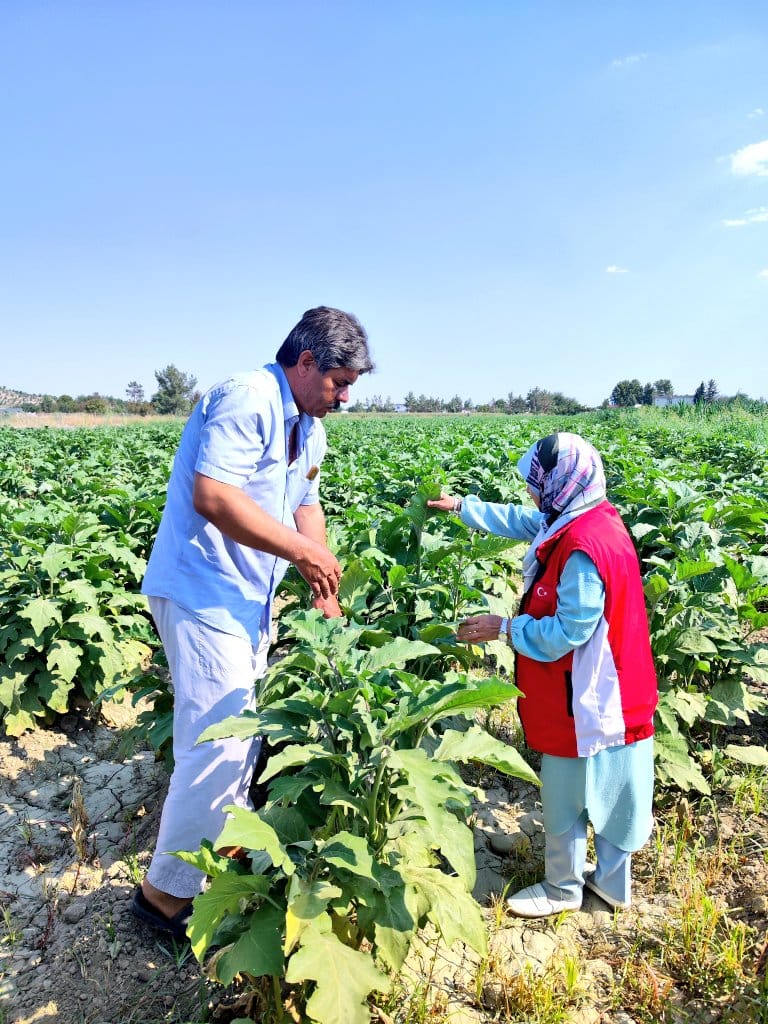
(131,860)
(79,819)
(11,934)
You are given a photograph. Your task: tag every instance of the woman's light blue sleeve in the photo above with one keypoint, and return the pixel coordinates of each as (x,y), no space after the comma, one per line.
(502,520)
(580,606)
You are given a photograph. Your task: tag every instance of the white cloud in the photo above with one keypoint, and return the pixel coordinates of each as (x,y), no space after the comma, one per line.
(757,112)
(613,269)
(763,273)
(625,62)
(757,216)
(751,159)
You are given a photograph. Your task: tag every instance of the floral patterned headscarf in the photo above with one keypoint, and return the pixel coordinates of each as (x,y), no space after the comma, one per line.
(566,474)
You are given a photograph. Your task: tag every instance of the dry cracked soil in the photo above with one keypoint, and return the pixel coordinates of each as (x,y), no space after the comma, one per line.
(78,815)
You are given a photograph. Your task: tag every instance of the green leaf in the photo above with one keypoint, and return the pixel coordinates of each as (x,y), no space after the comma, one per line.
(477,745)
(748,755)
(350,852)
(243,726)
(693,641)
(41,613)
(223,896)
(245,828)
(64,659)
(397,654)
(730,702)
(451,908)
(257,952)
(344,978)
(430,786)
(307,901)
(686,570)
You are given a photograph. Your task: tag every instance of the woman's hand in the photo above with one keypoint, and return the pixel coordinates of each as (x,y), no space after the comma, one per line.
(445,503)
(478,629)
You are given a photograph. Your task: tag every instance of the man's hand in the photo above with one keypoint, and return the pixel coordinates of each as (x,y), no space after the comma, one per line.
(321,570)
(478,629)
(329,606)
(318,566)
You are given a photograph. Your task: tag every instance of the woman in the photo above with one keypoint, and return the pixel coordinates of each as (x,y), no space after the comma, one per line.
(584,666)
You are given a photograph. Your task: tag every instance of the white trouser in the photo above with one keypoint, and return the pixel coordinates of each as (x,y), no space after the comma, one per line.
(565,856)
(213,675)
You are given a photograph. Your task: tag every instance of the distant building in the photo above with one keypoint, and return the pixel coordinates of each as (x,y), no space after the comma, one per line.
(664,400)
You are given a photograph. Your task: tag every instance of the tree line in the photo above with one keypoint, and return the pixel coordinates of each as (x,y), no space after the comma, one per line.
(175,396)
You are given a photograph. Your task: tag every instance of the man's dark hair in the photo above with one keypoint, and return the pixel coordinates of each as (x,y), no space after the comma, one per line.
(334,338)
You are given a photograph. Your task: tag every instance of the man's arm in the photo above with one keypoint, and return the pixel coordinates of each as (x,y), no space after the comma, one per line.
(310,522)
(241,518)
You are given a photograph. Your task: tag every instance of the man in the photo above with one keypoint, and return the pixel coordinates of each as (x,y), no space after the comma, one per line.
(242,504)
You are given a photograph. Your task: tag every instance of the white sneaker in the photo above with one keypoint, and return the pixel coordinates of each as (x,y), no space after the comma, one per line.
(610,900)
(533,901)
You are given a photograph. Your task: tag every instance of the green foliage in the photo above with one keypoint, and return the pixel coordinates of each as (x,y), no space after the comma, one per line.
(364,837)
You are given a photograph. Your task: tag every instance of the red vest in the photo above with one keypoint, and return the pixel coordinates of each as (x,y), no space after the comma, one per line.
(604,693)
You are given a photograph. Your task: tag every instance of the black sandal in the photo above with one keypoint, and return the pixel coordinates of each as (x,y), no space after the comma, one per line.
(175,926)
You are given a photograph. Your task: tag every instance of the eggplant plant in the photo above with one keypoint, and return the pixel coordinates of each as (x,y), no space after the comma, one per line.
(365,835)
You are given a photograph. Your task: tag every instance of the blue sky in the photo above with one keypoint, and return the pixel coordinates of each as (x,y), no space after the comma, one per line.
(508,194)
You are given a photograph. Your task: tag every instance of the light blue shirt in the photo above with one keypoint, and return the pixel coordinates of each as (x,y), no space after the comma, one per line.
(580,592)
(237,434)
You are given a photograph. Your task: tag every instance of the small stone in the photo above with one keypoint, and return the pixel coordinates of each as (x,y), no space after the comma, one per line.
(143,974)
(74,912)
(507,842)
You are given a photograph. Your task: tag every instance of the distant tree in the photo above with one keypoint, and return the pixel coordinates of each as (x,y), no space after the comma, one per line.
(48,404)
(516,404)
(95,404)
(700,394)
(648,394)
(66,403)
(664,387)
(134,392)
(410,402)
(538,400)
(710,393)
(175,394)
(454,404)
(627,392)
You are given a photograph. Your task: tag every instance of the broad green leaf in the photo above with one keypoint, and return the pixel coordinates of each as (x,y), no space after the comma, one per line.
(344,978)
(350,852)
(748,755)
(452,909)
(693,641)
(88,626)
(686,570)
(223,896)
(245,828)
(257,952)
(655,587)
(64,659)
(287,823)
(397,654)
(41,613)
(476,744)
(394,926)
(730,701)
(54,691)
(450,699)
(430,786)
(307,900)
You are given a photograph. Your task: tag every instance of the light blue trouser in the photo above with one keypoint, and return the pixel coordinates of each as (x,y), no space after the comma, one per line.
(213,675)
(564,859)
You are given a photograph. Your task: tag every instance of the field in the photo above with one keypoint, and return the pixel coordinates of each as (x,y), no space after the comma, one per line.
(78,511)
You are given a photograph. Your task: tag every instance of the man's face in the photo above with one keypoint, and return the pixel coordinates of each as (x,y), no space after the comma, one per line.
(322,393)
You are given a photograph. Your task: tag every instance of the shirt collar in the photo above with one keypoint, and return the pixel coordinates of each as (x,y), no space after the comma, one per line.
(290,409)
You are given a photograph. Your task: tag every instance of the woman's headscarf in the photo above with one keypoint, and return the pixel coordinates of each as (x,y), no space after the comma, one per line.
(566,474)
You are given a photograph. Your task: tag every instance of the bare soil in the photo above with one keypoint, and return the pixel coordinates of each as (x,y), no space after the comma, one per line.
(72,953)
